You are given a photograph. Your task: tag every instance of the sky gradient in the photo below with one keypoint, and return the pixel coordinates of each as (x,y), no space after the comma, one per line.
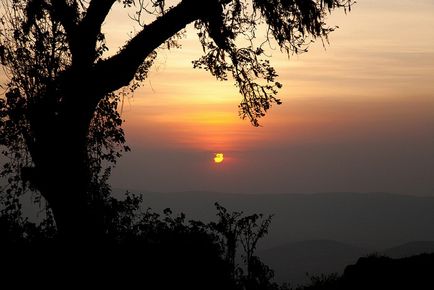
(357,115)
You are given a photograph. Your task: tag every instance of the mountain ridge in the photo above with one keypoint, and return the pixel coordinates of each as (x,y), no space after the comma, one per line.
(296,261)
(371,220)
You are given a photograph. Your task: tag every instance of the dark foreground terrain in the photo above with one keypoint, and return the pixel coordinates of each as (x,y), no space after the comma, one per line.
(145,250)
(191,265)
(134,267)
(378,272)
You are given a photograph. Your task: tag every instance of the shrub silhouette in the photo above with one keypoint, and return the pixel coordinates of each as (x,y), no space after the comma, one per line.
(161,251)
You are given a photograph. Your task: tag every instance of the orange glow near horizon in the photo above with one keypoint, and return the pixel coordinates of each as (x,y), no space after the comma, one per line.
(326,92)
(357,115)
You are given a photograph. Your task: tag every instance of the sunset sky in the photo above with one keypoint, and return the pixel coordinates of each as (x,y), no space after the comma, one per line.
(356,116)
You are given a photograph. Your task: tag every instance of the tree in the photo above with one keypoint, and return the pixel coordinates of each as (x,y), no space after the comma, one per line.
(58,117)
(234,229)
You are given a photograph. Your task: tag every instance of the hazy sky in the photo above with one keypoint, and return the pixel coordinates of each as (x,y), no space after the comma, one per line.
(357,116)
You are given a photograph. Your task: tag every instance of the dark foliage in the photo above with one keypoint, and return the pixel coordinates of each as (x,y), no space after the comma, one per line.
(157,251)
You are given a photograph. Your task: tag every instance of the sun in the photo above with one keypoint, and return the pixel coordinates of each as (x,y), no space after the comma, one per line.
(218,158)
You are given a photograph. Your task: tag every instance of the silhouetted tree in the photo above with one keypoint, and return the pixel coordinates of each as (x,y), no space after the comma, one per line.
(236,232)
(253,228)
(228,226)
(58,118)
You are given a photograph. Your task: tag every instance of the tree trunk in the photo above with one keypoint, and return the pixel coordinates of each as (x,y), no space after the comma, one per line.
(62,171)
(65,186)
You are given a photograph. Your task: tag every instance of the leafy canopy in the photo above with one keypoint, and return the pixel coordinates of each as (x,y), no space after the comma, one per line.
(45,42)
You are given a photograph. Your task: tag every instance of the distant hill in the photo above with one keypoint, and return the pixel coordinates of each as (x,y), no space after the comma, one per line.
(374,221)
(410,249)
(379,273)
(292,261)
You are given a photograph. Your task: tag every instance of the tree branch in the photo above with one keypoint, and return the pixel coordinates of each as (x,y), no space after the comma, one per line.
(86,34)
(95,16)
(65,14)
(120,69)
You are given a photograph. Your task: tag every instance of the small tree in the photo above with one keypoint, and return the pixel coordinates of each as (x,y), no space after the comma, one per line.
(243,232)
(252,229)
(229,228)
(58,118)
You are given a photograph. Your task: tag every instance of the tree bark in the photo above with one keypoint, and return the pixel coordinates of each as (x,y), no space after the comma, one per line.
(61,163)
